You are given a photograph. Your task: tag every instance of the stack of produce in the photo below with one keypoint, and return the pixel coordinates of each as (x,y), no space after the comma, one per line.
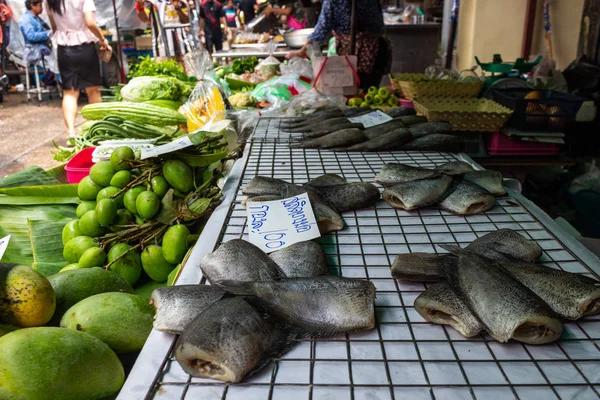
(375,97)
(453,186)
(129,207)
(329,196)
(99,318)
(333,130)
(494,285)
(278,300)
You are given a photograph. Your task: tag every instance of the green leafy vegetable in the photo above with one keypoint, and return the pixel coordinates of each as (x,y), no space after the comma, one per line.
(148,67)
(155,88)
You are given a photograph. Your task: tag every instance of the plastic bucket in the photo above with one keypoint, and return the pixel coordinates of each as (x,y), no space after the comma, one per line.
(79,166)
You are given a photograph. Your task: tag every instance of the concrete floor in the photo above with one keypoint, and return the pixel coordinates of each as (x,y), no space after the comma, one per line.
(27,131)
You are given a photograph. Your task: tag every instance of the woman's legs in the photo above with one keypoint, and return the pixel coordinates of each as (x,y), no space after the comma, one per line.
(94,95)
(69,106)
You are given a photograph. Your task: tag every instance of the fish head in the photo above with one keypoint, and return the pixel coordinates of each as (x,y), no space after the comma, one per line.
(205,365)
(592,305)
(538,330)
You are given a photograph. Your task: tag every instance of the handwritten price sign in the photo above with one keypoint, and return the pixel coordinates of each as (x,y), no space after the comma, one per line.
(3,245)
(277,224)
(372,119)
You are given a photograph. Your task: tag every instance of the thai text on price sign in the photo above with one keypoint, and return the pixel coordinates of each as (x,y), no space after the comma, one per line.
(277,224)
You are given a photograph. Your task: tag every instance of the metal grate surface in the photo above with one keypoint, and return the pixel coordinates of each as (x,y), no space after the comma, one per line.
(404,357)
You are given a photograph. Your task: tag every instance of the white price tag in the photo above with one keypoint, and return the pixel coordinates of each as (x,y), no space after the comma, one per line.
(374,118)
(3,245)
(277,224)
(178,144)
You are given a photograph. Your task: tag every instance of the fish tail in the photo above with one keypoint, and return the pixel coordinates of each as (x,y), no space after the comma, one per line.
(453,249)
(239,288)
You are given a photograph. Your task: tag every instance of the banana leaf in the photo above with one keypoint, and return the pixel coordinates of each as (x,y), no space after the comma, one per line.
(14,221)
(36,200)
(47,246)
(201,160)
(56,190)
(30,176)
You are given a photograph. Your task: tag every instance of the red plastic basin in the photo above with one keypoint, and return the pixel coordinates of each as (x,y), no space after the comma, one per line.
(79,166)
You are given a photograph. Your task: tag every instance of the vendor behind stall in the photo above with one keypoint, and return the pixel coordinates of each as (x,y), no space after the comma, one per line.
(299,14)
(373,49)
(161,13)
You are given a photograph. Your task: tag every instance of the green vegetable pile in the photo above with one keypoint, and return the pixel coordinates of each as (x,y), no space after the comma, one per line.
(375,97)
(147,88)
(239,67)
(148,67)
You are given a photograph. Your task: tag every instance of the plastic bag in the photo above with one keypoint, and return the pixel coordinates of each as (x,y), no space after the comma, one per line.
(311,100)
(546,76)
(205,104)
(292,84)
(590,180)
(297,65)
(270,65)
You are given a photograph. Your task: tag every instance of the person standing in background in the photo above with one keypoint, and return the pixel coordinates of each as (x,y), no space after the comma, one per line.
(231,12)
(212,16)
(296,13)
(373,49)
(76,33)
(248,7)
(161,13)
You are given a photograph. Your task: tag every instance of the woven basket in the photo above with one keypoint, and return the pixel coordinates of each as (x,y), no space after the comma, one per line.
(419,85)
(464,114)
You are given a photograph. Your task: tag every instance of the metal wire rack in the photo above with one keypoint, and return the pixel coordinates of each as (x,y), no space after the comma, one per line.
(268,129)
(404,357)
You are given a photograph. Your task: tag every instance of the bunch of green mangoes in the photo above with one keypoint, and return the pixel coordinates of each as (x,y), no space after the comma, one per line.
(375,97)
(102,212)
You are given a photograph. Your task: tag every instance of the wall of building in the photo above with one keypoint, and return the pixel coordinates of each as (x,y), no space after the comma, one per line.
(487,27)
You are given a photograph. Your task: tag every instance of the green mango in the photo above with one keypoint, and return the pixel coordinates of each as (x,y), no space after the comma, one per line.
(174,243)
(179,175)
(59,364)
(121,320)
(75,247)
(73,286)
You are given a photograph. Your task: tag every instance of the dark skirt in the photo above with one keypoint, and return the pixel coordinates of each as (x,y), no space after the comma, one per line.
(79,66)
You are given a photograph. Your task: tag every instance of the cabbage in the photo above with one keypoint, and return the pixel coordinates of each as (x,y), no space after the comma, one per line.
(145,88)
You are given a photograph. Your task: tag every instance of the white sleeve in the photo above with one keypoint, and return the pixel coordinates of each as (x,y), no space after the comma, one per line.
(88,5)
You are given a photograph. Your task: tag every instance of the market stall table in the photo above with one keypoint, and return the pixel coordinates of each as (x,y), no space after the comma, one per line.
(404,356)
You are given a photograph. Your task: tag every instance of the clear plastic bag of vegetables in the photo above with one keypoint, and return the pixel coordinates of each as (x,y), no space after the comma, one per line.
(145,88)
(205,103)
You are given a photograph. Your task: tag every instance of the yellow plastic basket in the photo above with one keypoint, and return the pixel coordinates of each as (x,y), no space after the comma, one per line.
(464,114)
(420,85)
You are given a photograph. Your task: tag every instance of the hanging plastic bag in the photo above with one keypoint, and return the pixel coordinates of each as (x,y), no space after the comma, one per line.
(270,65)
(297,65)
(206,103)
(311,100)
(590,180)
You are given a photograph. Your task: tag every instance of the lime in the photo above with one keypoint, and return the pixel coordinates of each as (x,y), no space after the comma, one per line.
(92,257)
(159,185)
(84,207)
(88,189)
(147,204)
(119,156)
(70,231)
(106,211)
(110,191)
(121,179)
(102,173)
(384,93)
(89,224)
(355,102)
(154,263)
(130,198)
